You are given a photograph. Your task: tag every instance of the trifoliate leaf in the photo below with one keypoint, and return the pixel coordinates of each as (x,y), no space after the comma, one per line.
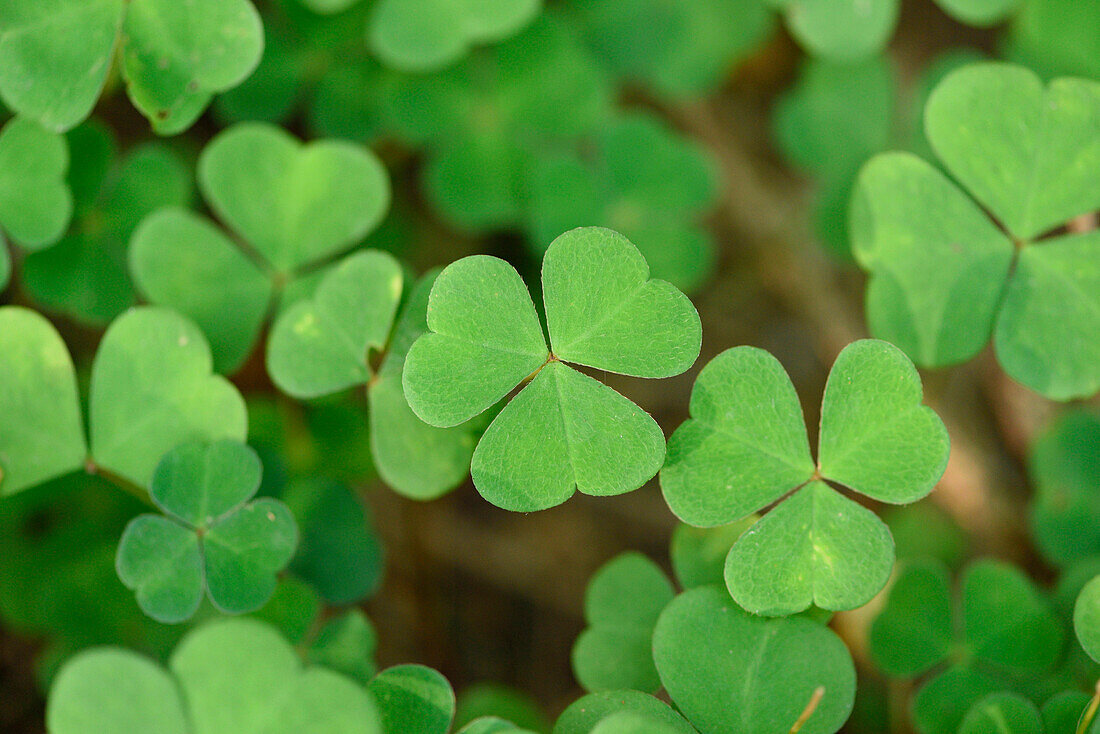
(587,712)
(35,201)
(622,603)
(413,698)
(42,434)
(914,631)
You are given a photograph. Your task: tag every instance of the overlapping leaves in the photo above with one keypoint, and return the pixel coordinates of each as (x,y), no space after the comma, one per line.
(745,447)
(564,430)
(945,276)
(211,538)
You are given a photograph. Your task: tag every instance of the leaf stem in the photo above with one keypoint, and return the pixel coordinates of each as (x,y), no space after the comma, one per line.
(807,712)
(1090,712)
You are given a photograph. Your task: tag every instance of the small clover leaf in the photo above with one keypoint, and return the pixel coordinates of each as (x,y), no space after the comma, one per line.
(1086,618)
(564,430)
(1002,713)
(588,711)
(641,179)
(42,434)
(35,200)
(840,29)
(174,56)
(346,644)
(413,698)
(730,671)
(227,676)
(622,603)
(943,281)
(745,447)
(294,205)
(630,722)
(211,539)
(413,36)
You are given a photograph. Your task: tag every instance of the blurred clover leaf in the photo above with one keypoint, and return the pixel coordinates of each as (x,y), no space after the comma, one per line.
(151,389)
(84,276)
(294,206)
(698,555)
(730,671)
(236,676)
(677,49)
(1086,618)
(564,430)
(427,35)
(55,56)
(640,178)
(588,711)
(621,605)
(413,698)
(35,200)
(1056,38)
(346,644)
(483,120)
(1002,713)
(496,701)
(211,537)
(840,29)
(980,12)
(1006,630)
(745,447)
(1064,464)
(944,275)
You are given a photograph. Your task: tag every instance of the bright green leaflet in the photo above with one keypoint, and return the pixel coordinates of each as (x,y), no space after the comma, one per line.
(698,555)
(85,274)
(563,429)
(980,12)
(35,201)
(1086,619)
(1064,465)
(745,447)
(841,562)
(413,698)
(1002,713)
(914,631)
(840,29)
(679,50)
(943,281)
(630,722)
(151,389)
(346,644)
(940,705)
(643,180)
(226,677)
(42,434)
(588,711)
(294,205)
(319,346)
(732,672)
(427,35)
(174,56)
(622,603)
(492,725)
(211,539)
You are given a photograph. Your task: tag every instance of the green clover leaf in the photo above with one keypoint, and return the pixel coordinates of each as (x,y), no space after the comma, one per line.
(1002,713)
(227,676)
(745,447)
(413,36)
(840,29)
(212,538)
(730,671)
(586,712)
(42,434)
(560,432)
(496,701)
(621,605)
(679,50)
(413,698)
(639,178)
(630,722)
(174,57)
(944,276)
(35,200)
(346,644)
(84,276)
(1055,37)
(980,12)
(698,555)
(295,206)
(1086,619)
(492,725)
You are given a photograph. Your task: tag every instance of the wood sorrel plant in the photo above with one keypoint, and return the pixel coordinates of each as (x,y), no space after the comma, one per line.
(418,242)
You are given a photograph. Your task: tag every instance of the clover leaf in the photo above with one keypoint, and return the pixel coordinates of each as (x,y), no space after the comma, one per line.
(227,677)
(35,200)
(413,698)
(564,430)
(730,671)
(639,178)
(1086,619)
(413,36)
(622,603)
(840,29)
(346,644)
(944,276)
(492,725)
(679,50)
(496,701)
(1006,713)
(698,555)
(294,205)
(211,537)
(1055,38)
(745,447)
(979,12)
(587,712)
(55,56)
(84,276)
